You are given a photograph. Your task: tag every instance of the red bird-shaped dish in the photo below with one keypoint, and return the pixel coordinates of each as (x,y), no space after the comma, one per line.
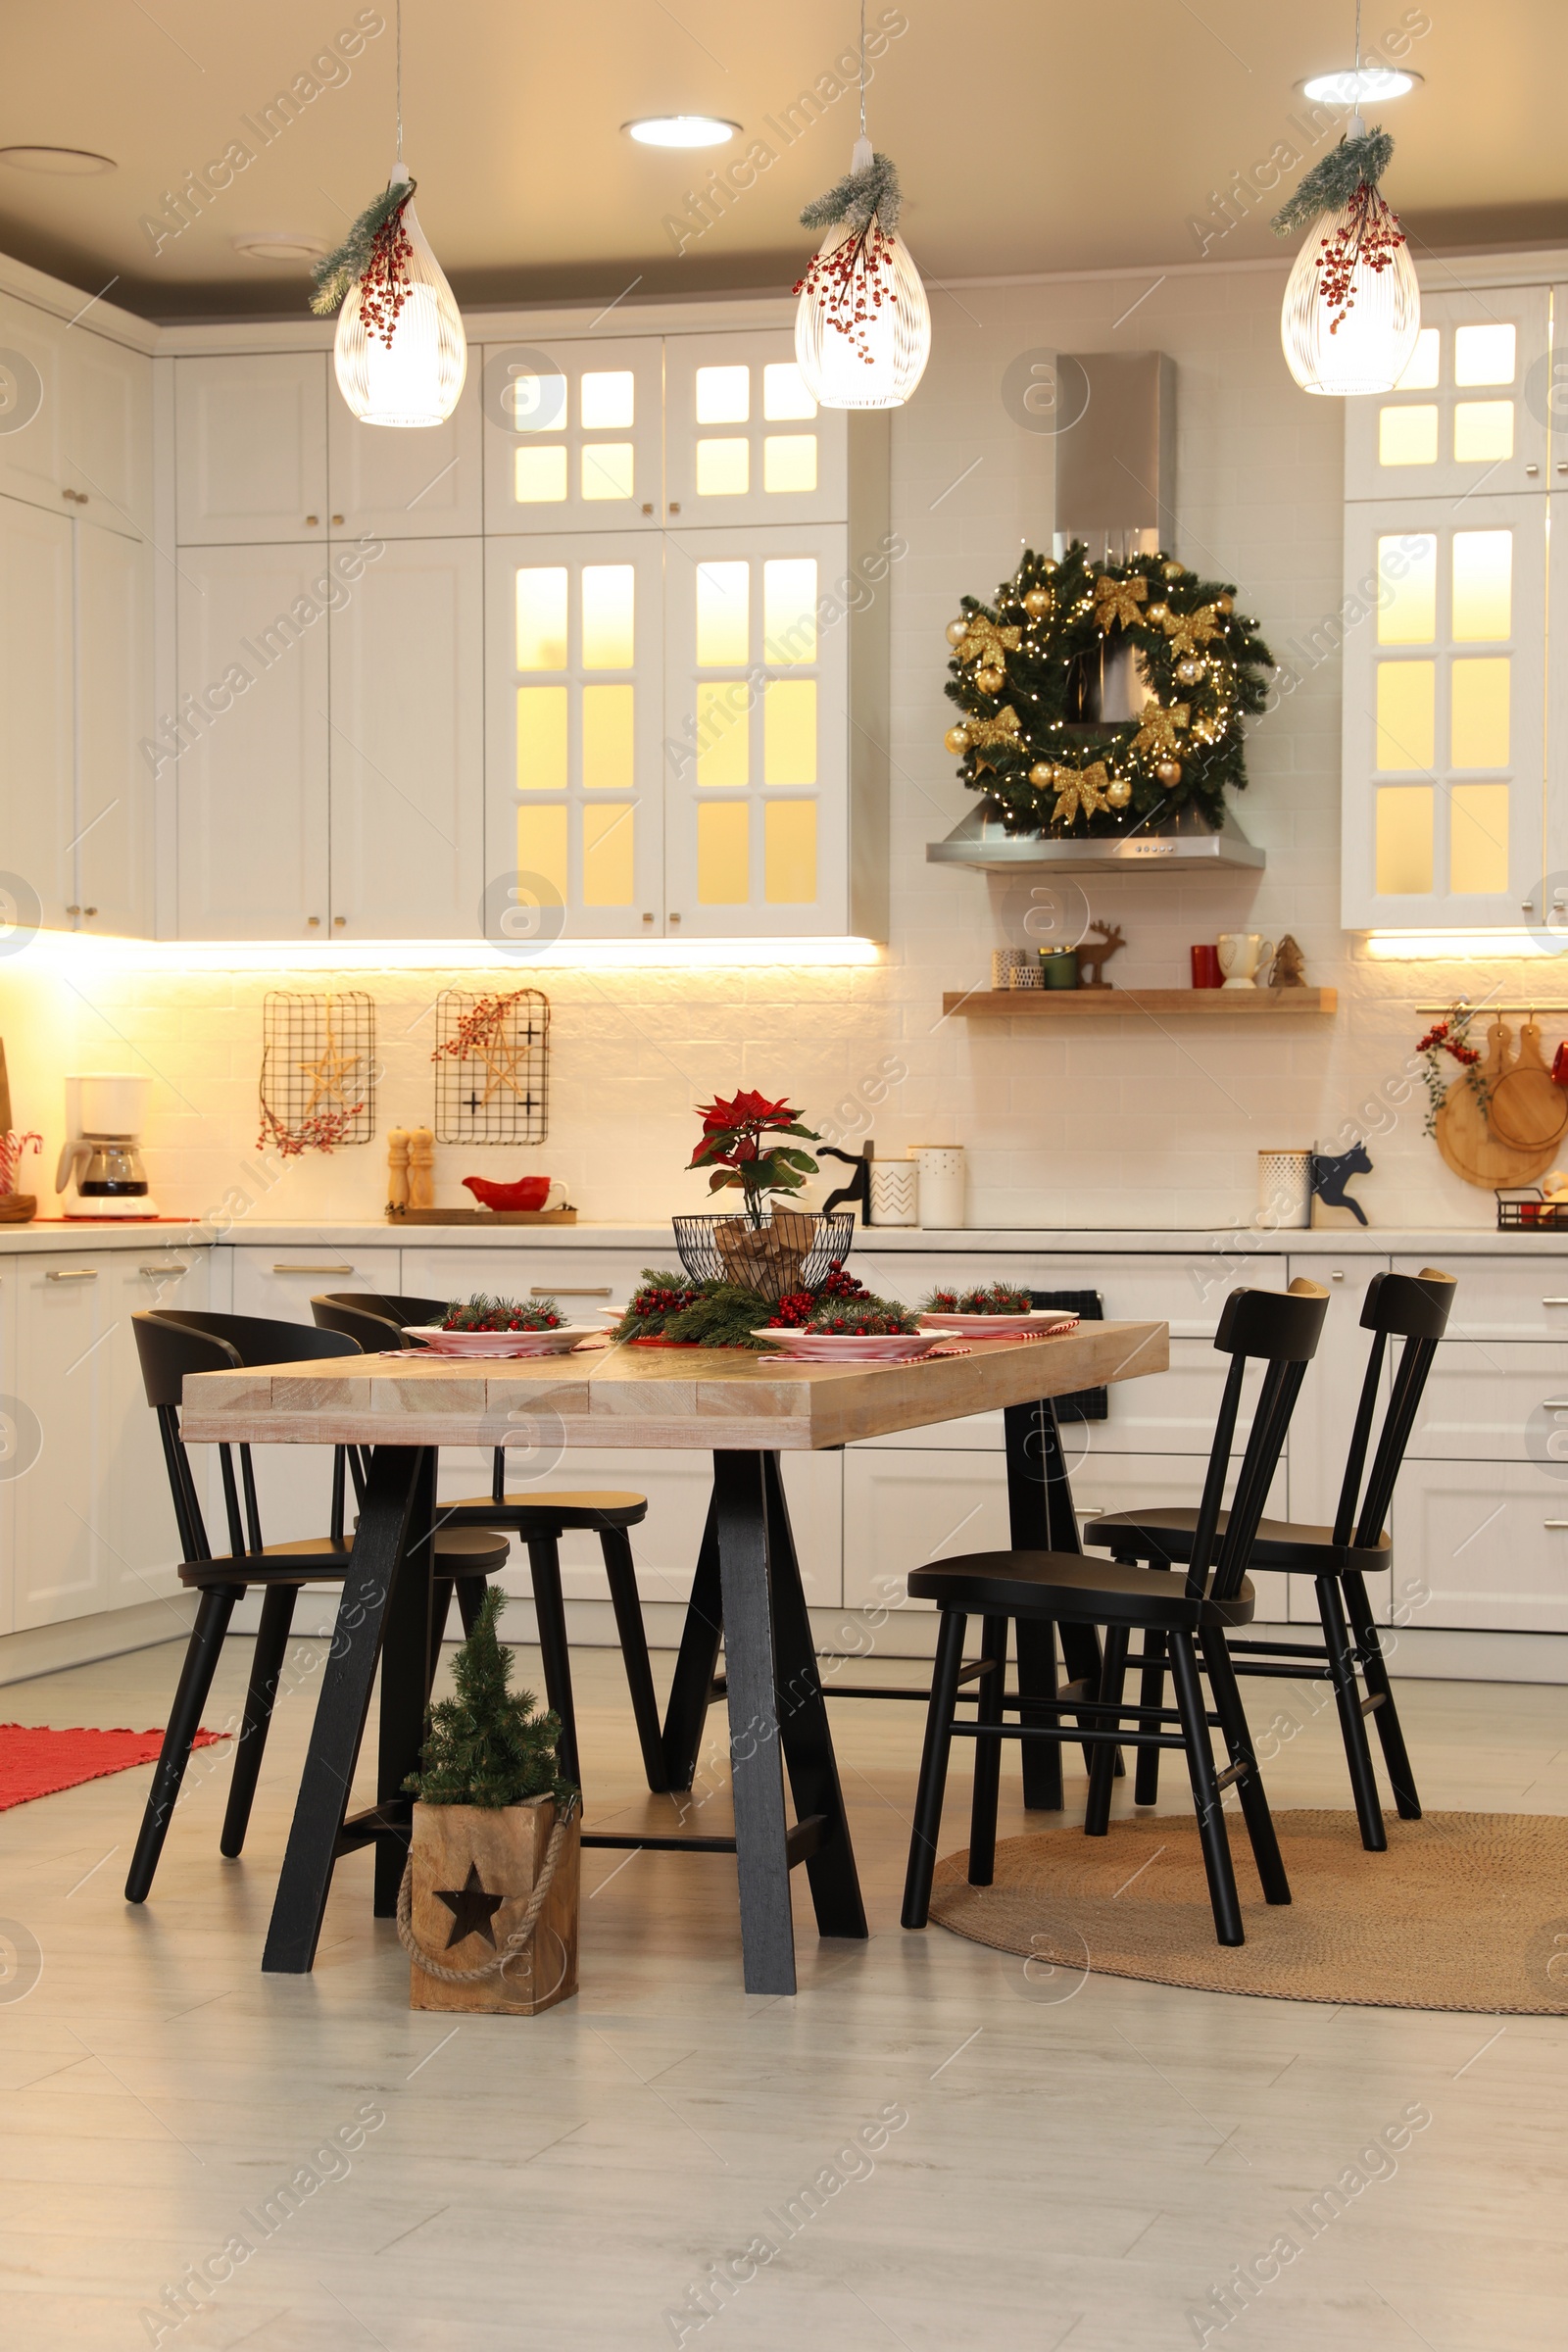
(528,1192)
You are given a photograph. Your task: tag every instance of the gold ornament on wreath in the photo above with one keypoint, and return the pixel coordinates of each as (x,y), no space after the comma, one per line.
(1047,758)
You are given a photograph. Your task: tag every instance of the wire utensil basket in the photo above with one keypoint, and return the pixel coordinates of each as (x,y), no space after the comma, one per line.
(492,1067)
(318,1082)
(1530,1211)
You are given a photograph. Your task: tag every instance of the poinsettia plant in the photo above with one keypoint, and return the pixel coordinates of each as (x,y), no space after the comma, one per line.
(732,1148)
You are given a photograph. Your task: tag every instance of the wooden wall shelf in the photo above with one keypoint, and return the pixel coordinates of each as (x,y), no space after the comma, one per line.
(990,1004)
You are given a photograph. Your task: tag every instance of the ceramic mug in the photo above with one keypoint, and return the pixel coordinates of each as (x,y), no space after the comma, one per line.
(1240,955)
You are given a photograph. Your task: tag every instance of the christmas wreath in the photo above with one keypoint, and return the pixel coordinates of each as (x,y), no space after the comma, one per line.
(1023,674)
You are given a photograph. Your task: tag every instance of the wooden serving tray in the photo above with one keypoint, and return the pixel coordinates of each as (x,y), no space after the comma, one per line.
(481,1216)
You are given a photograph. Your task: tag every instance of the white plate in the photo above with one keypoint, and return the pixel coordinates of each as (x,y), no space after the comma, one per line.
(852,1347)
(494,1345)
(1040,1319)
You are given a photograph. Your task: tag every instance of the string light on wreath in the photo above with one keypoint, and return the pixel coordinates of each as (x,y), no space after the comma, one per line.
(1024,735)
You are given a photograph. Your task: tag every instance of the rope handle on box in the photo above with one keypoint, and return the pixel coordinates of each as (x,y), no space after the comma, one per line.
(517,1942)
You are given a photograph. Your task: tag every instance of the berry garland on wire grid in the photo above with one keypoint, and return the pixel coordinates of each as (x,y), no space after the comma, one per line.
(1010,674)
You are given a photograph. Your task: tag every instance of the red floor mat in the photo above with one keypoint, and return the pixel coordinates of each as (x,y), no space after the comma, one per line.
(37,1761)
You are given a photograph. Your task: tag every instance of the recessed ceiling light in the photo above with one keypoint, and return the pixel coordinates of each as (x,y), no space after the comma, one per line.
(61,162)
(1358,87)
(281,247)
(681,130)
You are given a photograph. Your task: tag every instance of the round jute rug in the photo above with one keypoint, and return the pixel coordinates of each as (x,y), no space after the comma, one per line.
(1464,1911)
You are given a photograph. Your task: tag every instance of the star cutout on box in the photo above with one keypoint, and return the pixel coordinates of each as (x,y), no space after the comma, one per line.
(471,1909)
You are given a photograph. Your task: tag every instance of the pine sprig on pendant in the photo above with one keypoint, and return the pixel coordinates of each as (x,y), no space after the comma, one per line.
(376,227)
(1017,672)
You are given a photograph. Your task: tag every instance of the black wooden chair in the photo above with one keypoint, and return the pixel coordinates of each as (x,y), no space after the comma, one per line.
(1280,1328)
(170,1345)
(1339,1559)
(378,1321)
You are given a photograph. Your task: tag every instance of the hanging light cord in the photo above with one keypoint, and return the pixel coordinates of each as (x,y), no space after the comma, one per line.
(1357,46)
(400,73)
(863,66)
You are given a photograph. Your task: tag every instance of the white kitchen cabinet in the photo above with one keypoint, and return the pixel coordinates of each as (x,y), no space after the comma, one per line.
(575,754)
(108,396)
(388,483)
(583,1280)
(252,783)
(1326,1408)
(37,719)
(573,436)
(250,448)
(32,453)
(745,443)
(113,723)
(407,755)
(1469,417)
(1482,1545)
(94,1528)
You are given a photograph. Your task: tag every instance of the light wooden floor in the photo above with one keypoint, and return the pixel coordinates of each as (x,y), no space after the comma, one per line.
(1080,2164)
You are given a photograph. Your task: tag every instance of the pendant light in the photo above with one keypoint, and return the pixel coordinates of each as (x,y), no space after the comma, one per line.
(400,354)
(863,329)
(1352,302)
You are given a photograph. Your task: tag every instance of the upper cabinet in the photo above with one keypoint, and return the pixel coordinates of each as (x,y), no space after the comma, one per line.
(418,484)
(75,409)
(744,441)
(250,448)
(1469,415)
(573,436)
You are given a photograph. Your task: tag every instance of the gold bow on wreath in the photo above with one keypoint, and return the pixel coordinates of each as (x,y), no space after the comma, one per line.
(1187,631)
(1119,601)
(1080,791)
(983,732)
(983,641)
(1158,734)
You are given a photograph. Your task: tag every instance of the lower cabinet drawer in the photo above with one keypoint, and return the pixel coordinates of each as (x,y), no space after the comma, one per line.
(1495,1401)
(1482,1545)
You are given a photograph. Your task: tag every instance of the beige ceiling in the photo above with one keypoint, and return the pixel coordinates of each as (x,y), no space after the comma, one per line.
(1031,134)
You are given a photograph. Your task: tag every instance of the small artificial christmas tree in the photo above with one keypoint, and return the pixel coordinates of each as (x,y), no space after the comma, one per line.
(488,1746)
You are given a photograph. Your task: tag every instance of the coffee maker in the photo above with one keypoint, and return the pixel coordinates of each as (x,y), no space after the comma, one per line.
(101,1159)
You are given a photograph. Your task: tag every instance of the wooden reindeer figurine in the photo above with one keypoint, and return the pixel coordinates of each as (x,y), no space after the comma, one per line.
(1095,956)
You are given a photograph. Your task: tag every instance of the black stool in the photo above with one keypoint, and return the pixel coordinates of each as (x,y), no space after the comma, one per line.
(377,1321)
(1339,1559)
(1282,1329)
(170,1346)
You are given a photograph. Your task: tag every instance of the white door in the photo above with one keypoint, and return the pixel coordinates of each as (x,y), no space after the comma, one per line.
(1468,417)
(108,393)
(388,483)
(252,784)
(250,448)
(115,724)
(66,1311)
(576,776)
(33,424)
(744,441)
(1444,685)
(573,435)
(756,730)
(36,753)
(408,745)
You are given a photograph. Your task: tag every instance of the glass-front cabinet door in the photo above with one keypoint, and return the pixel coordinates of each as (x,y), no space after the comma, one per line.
(573,435)
(744,440)
(1444,738)
(574,835)
(756,734)
(1470,414)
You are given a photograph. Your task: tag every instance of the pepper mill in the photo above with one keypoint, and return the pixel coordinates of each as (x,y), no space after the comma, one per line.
(397,1169)
(422,1168)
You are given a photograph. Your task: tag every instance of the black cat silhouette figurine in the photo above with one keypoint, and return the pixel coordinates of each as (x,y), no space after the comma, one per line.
(1332,1172)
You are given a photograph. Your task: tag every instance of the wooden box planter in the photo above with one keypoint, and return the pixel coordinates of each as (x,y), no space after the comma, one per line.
(469,1884)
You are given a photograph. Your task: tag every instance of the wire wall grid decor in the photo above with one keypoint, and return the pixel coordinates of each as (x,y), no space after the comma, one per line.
(317,1084)
(492,1067)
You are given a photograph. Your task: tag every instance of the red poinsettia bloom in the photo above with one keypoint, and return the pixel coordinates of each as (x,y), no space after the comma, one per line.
(745,1109)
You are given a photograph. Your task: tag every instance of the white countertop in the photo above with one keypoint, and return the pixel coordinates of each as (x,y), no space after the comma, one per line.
(654,1243)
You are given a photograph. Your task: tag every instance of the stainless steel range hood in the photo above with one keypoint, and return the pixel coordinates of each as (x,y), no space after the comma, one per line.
(1116,490)
(1186,844)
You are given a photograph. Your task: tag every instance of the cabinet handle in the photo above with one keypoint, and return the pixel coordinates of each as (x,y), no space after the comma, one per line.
(163,1269)
(73,909)
(556,1290)
(675,506)
(338,921)
(1555,1523)
(1555,1302)
(675,918)
(1532,469)
(90,910)
(281,1269)
(647,505)
(314,922)
(75,1274)
(1338,1274)
(337,518)
(313,521)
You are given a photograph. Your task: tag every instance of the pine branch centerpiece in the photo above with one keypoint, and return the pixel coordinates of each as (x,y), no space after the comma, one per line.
(488,1908)
(1017,669)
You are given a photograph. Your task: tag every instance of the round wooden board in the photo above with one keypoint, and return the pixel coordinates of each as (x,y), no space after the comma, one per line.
(1466,1142)
(1526,1109)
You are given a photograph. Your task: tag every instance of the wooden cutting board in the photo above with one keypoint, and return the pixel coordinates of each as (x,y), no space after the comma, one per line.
(1526,1109)
(1466,1140)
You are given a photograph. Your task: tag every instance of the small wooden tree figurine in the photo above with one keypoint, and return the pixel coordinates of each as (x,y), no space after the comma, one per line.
(488,1907)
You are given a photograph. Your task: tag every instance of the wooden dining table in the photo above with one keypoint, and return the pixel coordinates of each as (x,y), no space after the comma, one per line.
(747,1591)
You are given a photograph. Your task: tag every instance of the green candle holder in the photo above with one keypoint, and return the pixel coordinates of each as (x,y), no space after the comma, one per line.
(1059,967)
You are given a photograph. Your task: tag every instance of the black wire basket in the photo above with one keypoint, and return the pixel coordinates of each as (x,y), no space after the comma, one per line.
(792,1250)
(1528,1210)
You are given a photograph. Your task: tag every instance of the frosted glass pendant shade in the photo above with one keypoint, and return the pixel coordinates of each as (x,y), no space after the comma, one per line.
(1362,340)
(414,375)
(862,326)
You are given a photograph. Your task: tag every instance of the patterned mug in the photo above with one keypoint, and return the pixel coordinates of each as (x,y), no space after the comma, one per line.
(1240,955)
